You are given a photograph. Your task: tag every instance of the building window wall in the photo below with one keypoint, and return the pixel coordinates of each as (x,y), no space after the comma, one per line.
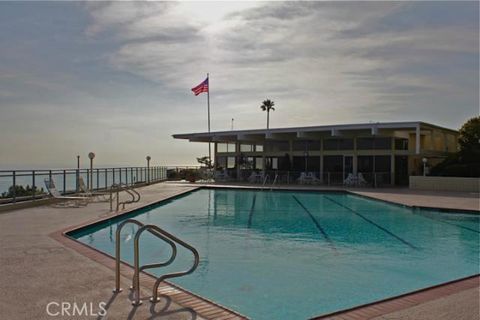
(226,147)
(377,143)
(370,164)
(221,162)
(338,144)
(401,144)
(306,145)
(276,146)
(231,163)
(247,147)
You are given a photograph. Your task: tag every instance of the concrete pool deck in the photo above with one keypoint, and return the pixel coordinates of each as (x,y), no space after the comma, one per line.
(36,269)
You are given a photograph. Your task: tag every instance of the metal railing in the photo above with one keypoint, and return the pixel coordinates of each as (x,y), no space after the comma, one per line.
(161,234)
(116,189)
(371,179)
(17,185)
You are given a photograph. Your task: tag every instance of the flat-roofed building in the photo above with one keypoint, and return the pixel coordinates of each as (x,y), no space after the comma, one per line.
(384,153)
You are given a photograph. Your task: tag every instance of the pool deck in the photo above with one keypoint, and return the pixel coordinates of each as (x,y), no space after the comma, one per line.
(38,265)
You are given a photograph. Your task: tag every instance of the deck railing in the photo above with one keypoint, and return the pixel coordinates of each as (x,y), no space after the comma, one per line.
(16,185)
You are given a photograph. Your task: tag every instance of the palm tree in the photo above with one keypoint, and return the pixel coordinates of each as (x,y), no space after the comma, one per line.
(267,105)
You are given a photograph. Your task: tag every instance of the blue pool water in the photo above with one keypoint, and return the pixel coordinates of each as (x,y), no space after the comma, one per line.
(295,255)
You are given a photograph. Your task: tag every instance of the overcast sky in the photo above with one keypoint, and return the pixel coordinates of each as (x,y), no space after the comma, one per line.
(115,78)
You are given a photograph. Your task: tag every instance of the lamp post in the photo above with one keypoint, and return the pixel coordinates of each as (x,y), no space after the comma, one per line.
(78,173)
(148,168)
(91,156)
(424,160)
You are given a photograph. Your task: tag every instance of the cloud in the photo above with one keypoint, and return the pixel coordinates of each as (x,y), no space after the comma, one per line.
(123,71)
(306,49)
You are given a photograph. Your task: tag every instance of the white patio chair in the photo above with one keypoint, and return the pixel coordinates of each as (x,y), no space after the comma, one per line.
(311,177)
(95,195)
(67,201)
(361,180)
(303,178)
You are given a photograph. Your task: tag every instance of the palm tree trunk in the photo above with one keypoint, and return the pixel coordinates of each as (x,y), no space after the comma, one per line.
(268,118)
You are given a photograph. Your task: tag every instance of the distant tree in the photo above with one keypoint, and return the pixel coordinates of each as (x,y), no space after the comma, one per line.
(466,162)
(469,140)
(267,105)
(206,161)
(20,191)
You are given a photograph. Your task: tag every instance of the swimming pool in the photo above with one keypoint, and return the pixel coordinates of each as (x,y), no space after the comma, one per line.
(295,255)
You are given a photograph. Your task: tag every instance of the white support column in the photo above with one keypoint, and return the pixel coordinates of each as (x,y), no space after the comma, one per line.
(392,162)
(321,161)
(355,157)
(417,139)
(392,169)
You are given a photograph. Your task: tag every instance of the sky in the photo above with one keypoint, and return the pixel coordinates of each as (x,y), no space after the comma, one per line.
(115,77)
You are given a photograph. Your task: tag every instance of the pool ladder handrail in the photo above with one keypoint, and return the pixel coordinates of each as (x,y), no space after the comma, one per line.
(265,179)
(117,188)
(274,181)
(162,234)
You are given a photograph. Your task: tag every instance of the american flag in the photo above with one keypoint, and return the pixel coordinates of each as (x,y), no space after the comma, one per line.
(202,87)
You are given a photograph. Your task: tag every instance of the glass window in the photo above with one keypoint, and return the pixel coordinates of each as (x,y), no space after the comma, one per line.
(225,147)
(401,144)
(231,162)
(221,147)
(221,163)
(374,143)
(383,143)
(277,146)
(259,163)
(365,144)
(364,163)
(333,163)
(299,145)
(382,163)
(259,148)
(246,147)
(271,163)
(373,164)
(338,144)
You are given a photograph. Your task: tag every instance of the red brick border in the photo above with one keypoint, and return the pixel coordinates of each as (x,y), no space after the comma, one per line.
(203,307)
(408,300)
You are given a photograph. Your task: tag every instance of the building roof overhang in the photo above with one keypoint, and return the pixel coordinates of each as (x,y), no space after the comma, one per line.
(310,132)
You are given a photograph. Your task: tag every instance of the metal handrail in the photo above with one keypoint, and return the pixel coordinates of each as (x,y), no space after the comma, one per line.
(265,179)
(117,251)
(116,188)
(154,297)
(165,236)
(274,181)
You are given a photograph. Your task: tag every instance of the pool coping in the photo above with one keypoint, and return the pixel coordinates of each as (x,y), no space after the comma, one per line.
(211,310)
(404,301)
(204,307)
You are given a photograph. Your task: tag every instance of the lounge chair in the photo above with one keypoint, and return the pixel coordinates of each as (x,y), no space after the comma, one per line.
(95,195)
(303,178)
(312,178)
(351,180)
(221,175)
(361,180)
(67,201)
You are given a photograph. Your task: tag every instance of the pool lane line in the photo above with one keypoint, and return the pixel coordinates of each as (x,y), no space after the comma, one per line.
(375,224)
(317,224)
(447,222)
(250,214)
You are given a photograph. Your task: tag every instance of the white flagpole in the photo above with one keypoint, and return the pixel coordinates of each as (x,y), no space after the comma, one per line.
(208,110)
